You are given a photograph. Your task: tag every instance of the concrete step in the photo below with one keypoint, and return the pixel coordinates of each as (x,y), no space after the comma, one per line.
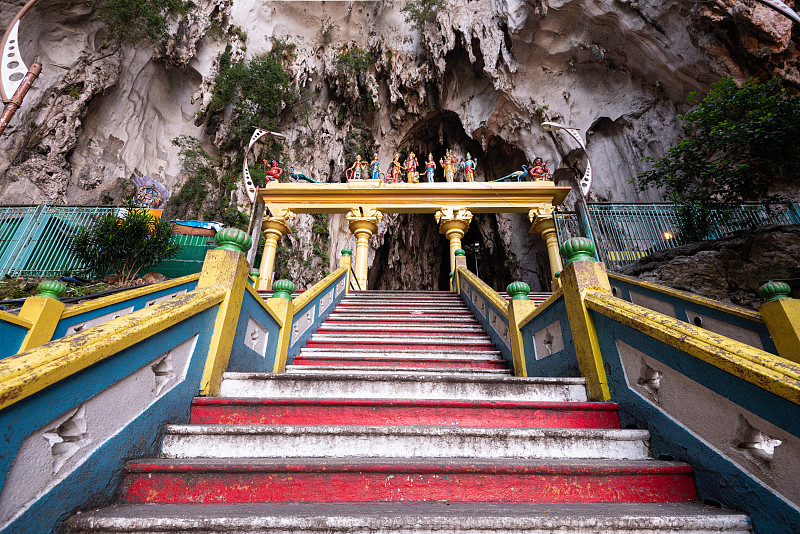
(388,343)
(402,386)
(347,369)
(209,481)
(440,517)
(468,413)
(415,310)
(462,330)
(395,319)
(407,363)
(451,354)
(358,442)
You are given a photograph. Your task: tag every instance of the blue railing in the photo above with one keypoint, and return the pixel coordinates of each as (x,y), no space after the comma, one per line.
(631,231)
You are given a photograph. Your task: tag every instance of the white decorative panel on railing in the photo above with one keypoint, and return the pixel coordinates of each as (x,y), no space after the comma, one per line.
(48,455)
(256,337)
(325,302)
(98,320)
(303,323)
(499,326)
(548,340)
(341,286)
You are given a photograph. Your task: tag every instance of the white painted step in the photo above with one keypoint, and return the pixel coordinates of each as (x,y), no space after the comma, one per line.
(413,518)
(347,369)
(353,441)
(402,386)
(419,340)
(425,354)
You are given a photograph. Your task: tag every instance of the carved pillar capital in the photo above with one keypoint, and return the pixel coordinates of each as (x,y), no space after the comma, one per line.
(363,219)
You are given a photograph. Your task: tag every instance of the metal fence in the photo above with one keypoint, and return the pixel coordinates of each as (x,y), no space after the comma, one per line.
(35,240)
(628,232)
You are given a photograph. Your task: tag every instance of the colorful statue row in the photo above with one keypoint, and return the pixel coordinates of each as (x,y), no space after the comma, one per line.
(409,169)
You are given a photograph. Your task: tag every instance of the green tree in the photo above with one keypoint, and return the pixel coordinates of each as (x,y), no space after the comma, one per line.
(134,20)
(738,141)
(125,246)
(421,11)
(257,89)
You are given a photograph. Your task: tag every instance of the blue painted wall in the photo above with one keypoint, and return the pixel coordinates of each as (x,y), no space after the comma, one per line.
(294,348)
(561,363)
(718,479)
(683,306)
(243,358)
(12,335)
(96,482)
(137,303)
(504,349)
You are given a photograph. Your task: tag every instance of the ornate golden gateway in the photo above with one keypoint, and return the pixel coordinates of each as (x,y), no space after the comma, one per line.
(364,202)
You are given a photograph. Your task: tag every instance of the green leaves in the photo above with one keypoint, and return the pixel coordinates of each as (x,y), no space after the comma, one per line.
(421,11)
(125,246)
(134,20)
(737,142)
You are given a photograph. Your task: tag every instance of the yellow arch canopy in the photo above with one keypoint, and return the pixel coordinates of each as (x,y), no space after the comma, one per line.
(477,197)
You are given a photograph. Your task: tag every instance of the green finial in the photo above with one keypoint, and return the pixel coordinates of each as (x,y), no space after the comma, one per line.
(774,291)
(347,252)
(460,252)
(518,290)
(577,249)
(283,289)
(233,239)
(451,274)
(254,273)
(558,274)
(51,288)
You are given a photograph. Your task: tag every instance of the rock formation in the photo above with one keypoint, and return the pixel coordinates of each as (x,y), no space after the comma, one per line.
(479,78)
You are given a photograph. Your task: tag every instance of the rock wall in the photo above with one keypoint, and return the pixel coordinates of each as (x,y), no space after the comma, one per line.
(480,79)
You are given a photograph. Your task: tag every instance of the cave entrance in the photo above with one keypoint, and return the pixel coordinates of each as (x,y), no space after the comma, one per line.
(442,130)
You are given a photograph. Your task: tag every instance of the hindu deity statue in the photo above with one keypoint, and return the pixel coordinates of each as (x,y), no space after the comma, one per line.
(412,176)
(354,172)
(395,169)
(469,168)
(273,172)
(430,168)
(539,171)
(448,164)
(376,168)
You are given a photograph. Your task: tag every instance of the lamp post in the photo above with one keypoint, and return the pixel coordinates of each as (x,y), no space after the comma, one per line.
(585,183)
(15,77)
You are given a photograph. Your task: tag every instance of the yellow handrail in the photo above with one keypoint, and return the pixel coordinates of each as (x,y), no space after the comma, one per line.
(28,372)
(765,370)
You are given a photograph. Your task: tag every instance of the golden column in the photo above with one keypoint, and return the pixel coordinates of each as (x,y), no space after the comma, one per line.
(543,224)
(363,223)
(453,223)
(275,226)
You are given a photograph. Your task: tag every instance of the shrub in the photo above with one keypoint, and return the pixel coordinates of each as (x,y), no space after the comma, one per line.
(125,246)
(421,11)
(353,61)
(134,20)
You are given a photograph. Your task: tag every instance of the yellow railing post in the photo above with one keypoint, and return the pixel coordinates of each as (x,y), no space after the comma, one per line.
(282,307)
(782,317)
(581,273)
(43,311)
(346,260)
(519,308)
(460,261)
(225,267)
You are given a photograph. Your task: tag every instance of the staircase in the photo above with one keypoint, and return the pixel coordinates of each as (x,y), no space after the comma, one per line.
(400,416)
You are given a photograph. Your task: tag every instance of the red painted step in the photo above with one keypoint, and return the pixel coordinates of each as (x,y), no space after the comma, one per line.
(213,411)
(400,362)
(315,480)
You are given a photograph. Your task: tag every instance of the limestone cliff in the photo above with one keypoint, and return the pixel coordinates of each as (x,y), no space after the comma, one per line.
(480,78)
